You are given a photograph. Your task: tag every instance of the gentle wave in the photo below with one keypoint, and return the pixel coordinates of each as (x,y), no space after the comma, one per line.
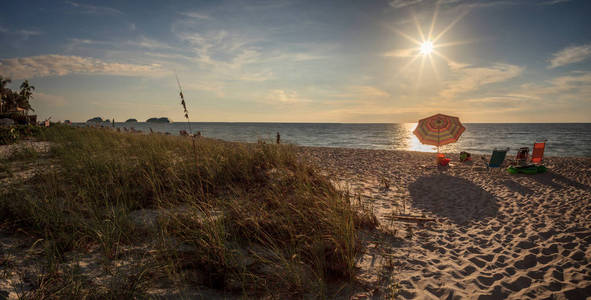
(564,139)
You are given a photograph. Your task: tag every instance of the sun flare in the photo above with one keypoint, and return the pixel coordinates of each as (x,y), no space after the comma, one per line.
(427,45)
(427,48)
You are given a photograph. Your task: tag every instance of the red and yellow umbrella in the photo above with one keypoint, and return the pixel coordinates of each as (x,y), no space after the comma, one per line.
(439,130)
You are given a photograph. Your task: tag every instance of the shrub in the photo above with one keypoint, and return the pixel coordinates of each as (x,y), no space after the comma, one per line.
(11,134)
(8,135)
(29,130)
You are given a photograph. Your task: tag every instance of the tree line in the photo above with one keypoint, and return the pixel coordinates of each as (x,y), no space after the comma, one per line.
(10,100)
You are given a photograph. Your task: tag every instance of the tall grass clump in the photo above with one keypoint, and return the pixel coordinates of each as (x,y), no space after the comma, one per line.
(246,218)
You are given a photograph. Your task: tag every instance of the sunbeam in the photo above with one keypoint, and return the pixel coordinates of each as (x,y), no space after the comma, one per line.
(450,26)
(450,44)
(419,29)
(427,45)
(434,68)
(433,21)
(447,59)
(421,71)
(406,36)
(408,63)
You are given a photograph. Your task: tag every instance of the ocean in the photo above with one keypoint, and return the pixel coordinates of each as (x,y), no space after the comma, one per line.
(563,139)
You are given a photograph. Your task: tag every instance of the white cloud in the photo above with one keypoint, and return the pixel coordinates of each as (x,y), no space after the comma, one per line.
(23,34)
(302,56)
(457,3)
(145,42)
(285,97)
(225,56)
(404,3)
(364,92)
(196,15)
(212,86)
(570,55)
(94,10)
(469,78)
(141,41)
(497,103)
(28,33)
(552,2)
(574,86)
(402,53)
(60,65)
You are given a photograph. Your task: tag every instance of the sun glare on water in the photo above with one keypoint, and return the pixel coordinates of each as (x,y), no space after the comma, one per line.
(426,48)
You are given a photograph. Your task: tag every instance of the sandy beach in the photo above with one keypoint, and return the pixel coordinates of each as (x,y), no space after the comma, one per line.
(494,236)
(292,149)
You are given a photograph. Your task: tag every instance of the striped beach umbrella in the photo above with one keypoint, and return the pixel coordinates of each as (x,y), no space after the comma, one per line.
(439,130)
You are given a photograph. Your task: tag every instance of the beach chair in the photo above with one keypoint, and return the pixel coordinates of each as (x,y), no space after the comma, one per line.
(537,154)
(522,155)
(496,159)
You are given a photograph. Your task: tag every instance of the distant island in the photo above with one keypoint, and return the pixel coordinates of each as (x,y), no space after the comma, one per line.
(95,120)
(158,120)
(131,121)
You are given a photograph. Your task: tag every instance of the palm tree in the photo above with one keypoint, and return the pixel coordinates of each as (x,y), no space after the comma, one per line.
(25,94)
(3,91)
(11,100)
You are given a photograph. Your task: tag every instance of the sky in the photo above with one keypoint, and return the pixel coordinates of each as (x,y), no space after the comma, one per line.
(302,61)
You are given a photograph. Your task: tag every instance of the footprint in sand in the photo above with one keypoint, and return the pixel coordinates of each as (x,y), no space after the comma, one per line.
(489,280)
(552,249)
(519,284)
(475,260)
(525,244)
(529,261)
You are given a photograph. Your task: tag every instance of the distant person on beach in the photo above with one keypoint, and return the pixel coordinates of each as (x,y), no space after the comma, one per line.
(278,137)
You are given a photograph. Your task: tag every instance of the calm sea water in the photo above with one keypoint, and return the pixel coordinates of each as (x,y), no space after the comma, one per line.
(565,139)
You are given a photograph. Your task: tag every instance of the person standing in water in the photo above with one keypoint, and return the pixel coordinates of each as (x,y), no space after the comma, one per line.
(278,137)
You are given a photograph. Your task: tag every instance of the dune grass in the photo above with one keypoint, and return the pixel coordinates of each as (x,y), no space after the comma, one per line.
(249,219)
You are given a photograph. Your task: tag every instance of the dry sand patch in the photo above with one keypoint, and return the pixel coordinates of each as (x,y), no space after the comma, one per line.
(495,236)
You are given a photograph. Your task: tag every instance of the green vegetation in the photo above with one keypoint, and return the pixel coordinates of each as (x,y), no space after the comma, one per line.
(249,219)
(11,134)
(10,100)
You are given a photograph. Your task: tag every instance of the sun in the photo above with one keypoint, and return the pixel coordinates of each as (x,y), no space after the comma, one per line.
(427,44)
(426,48)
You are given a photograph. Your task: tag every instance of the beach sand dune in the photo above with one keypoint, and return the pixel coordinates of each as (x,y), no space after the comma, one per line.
(494,236)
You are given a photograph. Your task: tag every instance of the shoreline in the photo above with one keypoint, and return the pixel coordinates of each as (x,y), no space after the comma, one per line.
(481,139)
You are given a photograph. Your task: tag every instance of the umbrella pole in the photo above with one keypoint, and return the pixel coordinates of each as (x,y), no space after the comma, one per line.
(438,131)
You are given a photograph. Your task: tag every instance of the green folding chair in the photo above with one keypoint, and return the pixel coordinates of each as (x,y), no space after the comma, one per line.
(496,159)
